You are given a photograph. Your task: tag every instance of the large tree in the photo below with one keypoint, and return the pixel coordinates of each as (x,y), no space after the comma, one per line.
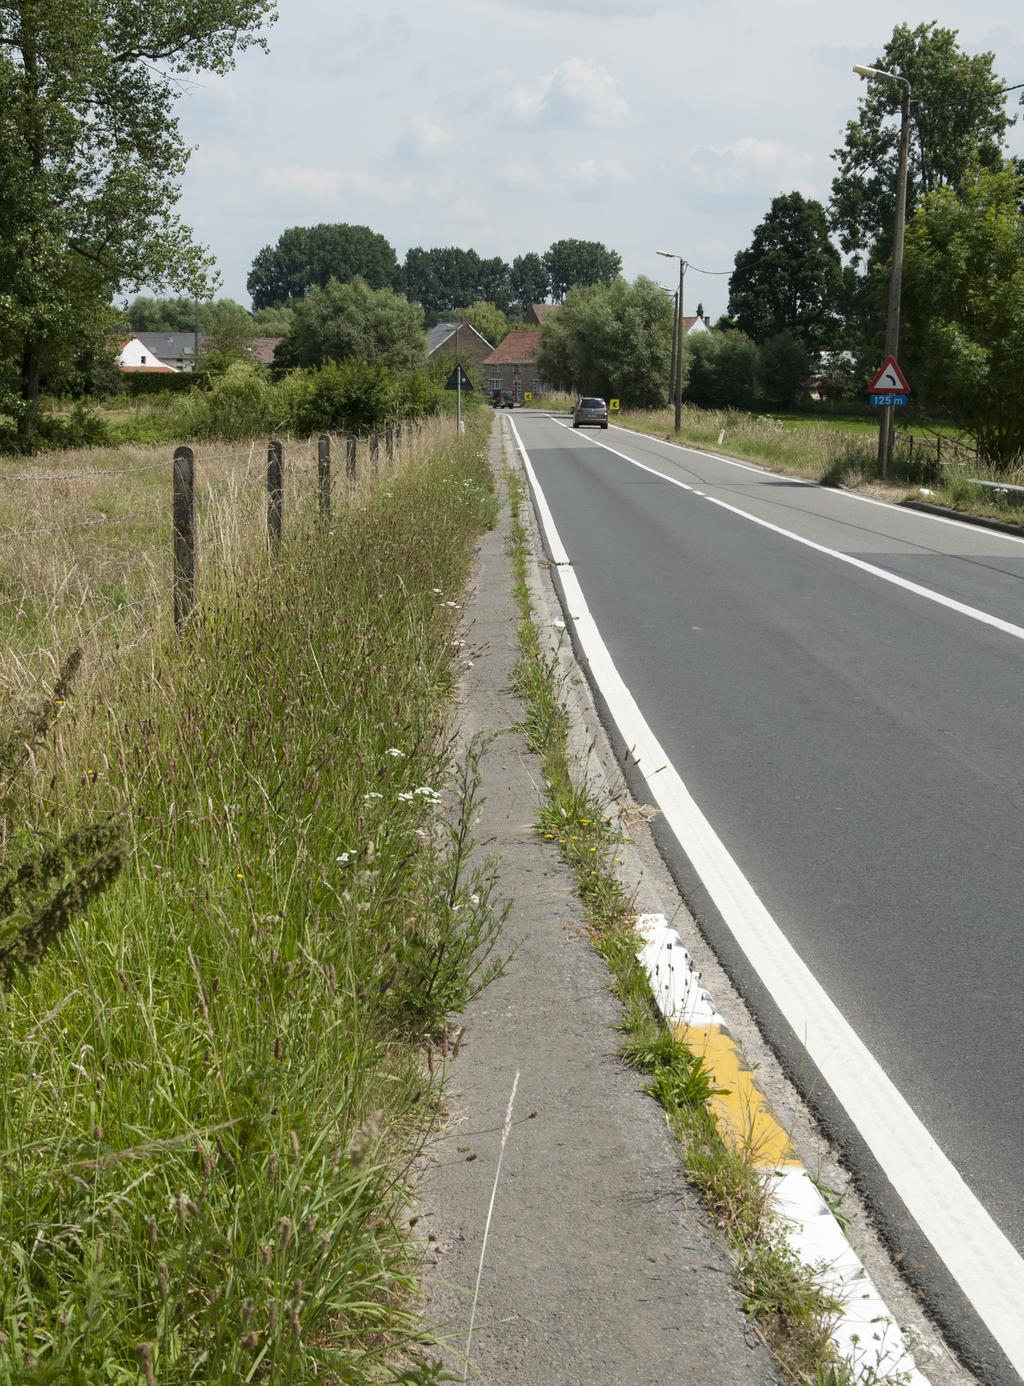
(789,280)
(722,367)
(444,278)
(488,320)
(529,279)
(305,257)
(572,262)
(958,117)
(964,308)
(353,320)
(90,164)
(611,339)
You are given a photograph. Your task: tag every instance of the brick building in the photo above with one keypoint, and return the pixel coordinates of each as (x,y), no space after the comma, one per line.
(512,365)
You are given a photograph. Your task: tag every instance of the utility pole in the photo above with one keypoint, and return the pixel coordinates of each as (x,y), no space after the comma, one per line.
(892,322)
(677,371)
(679,348)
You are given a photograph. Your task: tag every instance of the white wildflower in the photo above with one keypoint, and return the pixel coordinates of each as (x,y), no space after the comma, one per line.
(394,751)
(343,858)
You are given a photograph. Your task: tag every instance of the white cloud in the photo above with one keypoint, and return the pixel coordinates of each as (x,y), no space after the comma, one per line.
(422,138)
(753,162)
(613,9)
(579,92)
(519,175)
(319,185)
(598,172)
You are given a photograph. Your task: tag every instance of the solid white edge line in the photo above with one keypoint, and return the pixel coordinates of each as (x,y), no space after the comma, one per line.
(817,486)
(973,612)
(865,1333)
(974,1249)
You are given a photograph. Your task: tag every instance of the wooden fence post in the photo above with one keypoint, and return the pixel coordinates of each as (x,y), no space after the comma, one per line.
(275,492)
(398,436)
(374,454)
(184,517)
(350,460)
(323,472)
(938,449)
(389,442)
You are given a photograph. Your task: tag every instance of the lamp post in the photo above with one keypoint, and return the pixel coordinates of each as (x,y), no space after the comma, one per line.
(677,382)
(892,322)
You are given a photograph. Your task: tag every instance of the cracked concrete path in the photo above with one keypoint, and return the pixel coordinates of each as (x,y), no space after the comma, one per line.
(601,1267)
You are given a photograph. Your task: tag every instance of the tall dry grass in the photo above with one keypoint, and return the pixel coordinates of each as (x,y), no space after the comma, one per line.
(213,1089)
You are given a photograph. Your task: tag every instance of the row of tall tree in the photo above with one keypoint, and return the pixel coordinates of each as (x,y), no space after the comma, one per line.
(963,319)
(441,279)
(792,277)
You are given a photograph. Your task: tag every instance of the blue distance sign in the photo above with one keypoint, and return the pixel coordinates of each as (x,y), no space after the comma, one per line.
(889,399)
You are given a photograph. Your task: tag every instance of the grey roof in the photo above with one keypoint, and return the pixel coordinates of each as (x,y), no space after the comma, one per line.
(437,336)
(439,333)
(169,345)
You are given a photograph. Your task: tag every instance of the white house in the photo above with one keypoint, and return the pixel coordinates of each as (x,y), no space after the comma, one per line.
(137,356)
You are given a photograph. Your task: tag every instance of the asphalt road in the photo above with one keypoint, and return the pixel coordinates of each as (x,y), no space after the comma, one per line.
(838,683)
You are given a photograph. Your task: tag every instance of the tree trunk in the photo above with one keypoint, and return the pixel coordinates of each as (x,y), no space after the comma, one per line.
(31,371)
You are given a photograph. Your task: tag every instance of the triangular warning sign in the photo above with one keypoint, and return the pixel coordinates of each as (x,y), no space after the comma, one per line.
(890,379)
(459,380)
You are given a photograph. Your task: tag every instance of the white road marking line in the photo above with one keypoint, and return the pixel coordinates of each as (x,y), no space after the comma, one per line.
(973,1247)
(929,594)
(814,485)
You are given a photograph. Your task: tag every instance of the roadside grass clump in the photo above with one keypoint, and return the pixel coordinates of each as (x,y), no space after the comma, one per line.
(835,452)
(782,1296)
(214,1087)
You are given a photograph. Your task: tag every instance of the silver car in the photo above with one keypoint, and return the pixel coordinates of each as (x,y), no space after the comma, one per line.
(590,411)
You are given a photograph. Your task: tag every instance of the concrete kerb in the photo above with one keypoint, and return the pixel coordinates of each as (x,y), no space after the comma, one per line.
(684,975)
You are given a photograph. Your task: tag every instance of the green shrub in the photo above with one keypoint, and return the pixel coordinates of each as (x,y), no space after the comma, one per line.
(79,429)
(723,369)
(238,405)
(354,396)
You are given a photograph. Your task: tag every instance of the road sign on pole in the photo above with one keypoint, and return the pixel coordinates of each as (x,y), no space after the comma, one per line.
(613,406)
(458,381)
(889,379)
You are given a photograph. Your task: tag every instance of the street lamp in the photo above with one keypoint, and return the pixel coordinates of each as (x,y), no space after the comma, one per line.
(892,322)
(677,382)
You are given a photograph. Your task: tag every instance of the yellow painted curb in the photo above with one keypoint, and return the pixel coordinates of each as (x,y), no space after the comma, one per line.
(740,1108)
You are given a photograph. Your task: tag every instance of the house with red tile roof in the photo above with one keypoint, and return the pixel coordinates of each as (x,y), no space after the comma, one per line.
(537,312)
(512,365)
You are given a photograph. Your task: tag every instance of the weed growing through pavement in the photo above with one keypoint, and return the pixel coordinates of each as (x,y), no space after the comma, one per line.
(213,1089)
(782,1295)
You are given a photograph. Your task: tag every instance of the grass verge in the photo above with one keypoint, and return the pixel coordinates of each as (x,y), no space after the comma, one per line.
(841,453)
(212,1086)
(781,1294)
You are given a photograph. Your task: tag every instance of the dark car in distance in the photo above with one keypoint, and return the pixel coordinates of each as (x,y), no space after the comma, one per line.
(503,399)
(589,410)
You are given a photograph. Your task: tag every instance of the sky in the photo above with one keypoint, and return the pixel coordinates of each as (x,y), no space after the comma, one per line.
(646,124)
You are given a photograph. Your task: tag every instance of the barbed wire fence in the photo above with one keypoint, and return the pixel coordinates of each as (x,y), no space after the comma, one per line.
(79,587)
